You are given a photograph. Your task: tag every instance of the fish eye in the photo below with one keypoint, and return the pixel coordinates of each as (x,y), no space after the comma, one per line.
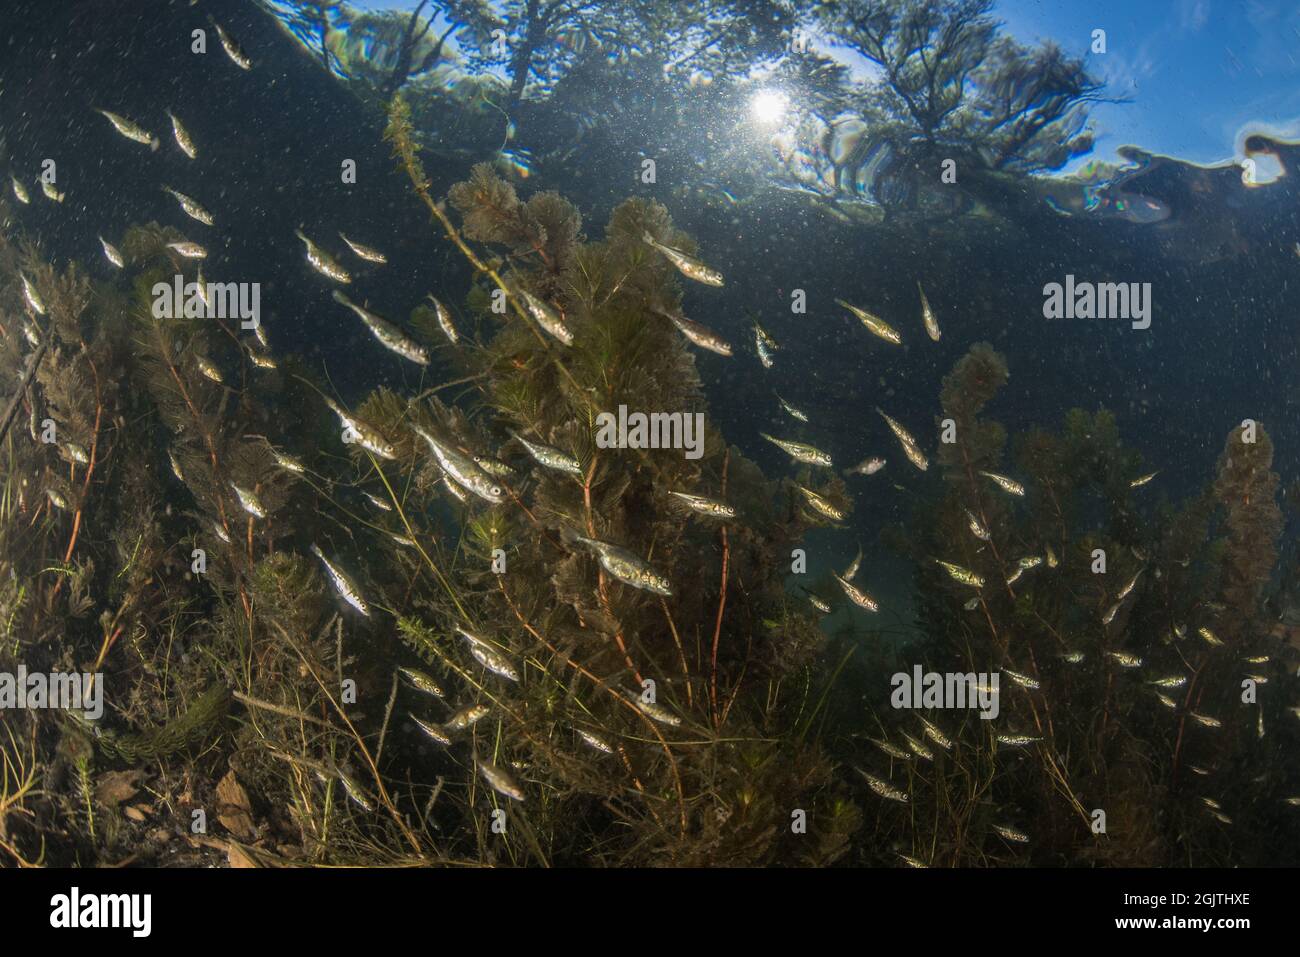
(496,489)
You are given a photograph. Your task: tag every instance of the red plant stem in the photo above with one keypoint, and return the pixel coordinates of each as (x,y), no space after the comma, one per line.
(600,574)
(722,604)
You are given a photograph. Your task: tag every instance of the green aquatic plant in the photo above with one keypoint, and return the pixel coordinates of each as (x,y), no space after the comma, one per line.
(270,602)
(1138,721)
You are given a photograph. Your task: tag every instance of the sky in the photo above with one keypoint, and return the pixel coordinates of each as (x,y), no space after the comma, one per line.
(1197,74)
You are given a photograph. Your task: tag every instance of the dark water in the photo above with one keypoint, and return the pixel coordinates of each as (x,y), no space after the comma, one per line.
(762,197)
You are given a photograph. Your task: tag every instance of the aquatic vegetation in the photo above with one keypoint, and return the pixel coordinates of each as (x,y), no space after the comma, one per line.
(434,614)
(251,619)
(1084,759)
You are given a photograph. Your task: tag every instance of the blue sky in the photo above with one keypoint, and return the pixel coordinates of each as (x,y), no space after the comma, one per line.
(1198,72)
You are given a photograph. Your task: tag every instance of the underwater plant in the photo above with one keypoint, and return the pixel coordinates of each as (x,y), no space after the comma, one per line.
(479,610)
(1141,718)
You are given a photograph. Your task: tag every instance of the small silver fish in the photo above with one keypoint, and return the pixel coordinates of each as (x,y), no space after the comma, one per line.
(458,493)
(857,595)
(1173,681)
(551,458)
(764,345)
(182,137)
(20,191)
(365,252)
(1007,485)
(444,319)
(249,502)
(962,576)
(594,741)
(1205,720)
(1025,681)
(701,335)
(432,730)
(654,712)
(976,527)
(377,502)
(821,504)
(627,567)
(851,572)
(367,435)
(820,604)
(934,734)
(32,297)
(917,748)
(866,467)
(890,749)
(76,453)
(468,717)
(130,130)
(705,506)
(874,323)
(501,782)
(355,791)
(1052,560)
(51,192)
(884,789)
(188,250)
(1139,482)
(1129,585)
(1209,637)
(322,262)
(800,451)
(544,315)
(192,208)
(1124,659)
(791,410)
(1016,740)
(421,681)
(232,48)
(462,469)
(342,583)
(209,370)
(111,253)
(493,466)
(687,265)
(288,462)
(176,466)
(1010,834)
(910,448)
(389,336)
(489,657)
(56,498)
(927,316)
(493,662)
